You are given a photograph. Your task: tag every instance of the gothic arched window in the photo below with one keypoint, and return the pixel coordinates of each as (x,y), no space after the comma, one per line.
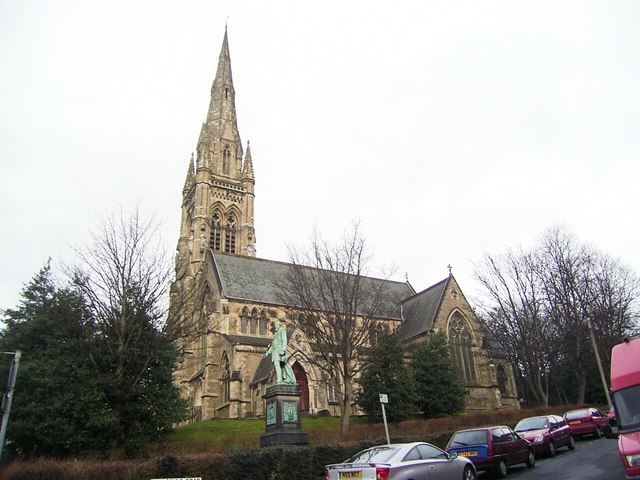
(225,379)
(230,236)
(254,321)
(216,233)
(373,338)
(244,320)
(460,343)
(262,324)
(226,158)
(502,379)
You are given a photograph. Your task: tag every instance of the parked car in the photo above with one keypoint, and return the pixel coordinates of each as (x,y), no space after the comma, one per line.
(492,448)
(586,421)
(546,433)
(403,461)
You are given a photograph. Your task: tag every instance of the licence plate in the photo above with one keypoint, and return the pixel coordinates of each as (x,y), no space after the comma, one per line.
(357,474)
(469,454)
(575,422)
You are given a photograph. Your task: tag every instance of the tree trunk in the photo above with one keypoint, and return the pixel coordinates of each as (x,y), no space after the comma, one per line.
(346,407)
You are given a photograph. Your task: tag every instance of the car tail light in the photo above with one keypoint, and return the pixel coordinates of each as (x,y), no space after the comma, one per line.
(382,473)
(326,473)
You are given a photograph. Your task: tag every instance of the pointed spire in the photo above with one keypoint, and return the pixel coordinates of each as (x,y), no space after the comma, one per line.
(188,183)
(247,167)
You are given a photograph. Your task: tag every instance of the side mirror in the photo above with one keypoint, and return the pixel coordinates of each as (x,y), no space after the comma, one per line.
(521,435)
(453,455)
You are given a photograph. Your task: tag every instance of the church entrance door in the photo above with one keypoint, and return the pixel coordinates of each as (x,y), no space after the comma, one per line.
(303,385)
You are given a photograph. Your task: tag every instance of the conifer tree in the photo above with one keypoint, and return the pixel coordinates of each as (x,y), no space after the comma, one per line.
(387,372)
(439,387)
(58,408)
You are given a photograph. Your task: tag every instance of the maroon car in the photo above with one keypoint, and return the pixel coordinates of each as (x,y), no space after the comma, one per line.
(546,433)
(492,448)
(586,421)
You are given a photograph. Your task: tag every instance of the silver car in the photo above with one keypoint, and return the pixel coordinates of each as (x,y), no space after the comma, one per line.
(403,461)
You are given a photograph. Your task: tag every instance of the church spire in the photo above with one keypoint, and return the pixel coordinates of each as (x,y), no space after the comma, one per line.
(247,166)
(219,146)
(190,179)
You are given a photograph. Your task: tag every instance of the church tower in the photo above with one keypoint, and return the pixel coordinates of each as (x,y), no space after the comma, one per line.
(218,194)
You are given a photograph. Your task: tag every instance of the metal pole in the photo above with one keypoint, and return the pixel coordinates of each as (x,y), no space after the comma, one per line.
(8,396)
(595,350)
(386,428)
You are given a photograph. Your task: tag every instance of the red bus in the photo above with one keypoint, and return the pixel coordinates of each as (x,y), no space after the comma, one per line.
(625,386)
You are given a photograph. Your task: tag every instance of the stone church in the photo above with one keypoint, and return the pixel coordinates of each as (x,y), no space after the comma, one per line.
(230,297)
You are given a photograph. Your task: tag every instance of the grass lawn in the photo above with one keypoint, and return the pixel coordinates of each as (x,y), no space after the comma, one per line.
(236,432)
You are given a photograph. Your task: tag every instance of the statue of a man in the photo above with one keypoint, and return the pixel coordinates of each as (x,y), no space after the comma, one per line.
(278,352)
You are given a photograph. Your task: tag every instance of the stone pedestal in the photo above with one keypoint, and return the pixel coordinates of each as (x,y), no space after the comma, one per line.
(282,414)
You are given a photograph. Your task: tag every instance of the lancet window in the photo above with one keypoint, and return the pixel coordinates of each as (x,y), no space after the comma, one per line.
(226,158)
(254,321)
(262,324)
(502,379)
(215,239)
(244,320)
(460,340)
(230,236)
(225,379)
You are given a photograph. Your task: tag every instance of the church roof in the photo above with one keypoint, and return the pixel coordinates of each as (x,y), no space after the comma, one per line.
(247,340)
(257,280)
(263,371)
(419,311)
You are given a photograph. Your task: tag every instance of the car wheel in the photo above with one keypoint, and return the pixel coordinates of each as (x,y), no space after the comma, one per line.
(572,443)
(598,432)
(552,449)
(469,474)
(501,469)
(531,459)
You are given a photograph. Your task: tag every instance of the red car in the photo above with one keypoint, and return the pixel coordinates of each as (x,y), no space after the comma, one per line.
(492,448)
(546,433)
(586,421)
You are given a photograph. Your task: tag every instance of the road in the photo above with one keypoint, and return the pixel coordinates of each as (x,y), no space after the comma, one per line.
(591,460)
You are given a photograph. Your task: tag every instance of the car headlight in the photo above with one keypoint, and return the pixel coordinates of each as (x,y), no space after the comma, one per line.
(538,439)
(633,460)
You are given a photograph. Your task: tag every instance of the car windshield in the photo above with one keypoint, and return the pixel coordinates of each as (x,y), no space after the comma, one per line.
(531,424)
(469,437)
(577,414)
(374,455)
(628,407)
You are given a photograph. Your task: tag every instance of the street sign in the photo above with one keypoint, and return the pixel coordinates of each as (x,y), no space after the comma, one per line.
(384,398)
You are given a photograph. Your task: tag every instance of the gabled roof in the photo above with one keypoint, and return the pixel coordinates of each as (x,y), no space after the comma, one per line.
(258,280)
(419,311)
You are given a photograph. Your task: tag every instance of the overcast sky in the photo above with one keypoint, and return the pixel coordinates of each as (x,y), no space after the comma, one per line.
(448,128)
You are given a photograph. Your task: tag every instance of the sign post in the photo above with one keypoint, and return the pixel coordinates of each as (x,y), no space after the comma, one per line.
(384,399)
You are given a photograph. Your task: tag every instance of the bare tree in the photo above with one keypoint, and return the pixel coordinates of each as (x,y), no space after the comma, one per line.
(336,305)
(515,315)
(125,276)
(539,305)
(579,283)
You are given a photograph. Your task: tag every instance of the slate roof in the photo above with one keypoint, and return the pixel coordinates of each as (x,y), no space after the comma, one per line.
(263,371)
(247,340)
(420,311)
(256,280)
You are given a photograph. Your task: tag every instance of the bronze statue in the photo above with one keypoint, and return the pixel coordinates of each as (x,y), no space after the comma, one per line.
(278,351)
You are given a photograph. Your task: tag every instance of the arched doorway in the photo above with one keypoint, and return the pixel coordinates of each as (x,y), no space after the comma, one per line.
(303,385)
